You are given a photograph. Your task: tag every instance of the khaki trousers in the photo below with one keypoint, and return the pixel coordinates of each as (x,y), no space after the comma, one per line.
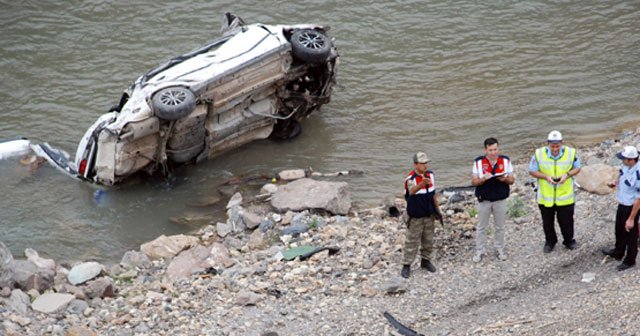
(419,235)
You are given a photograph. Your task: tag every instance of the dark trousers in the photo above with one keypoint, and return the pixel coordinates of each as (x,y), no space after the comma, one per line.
(565,220)
(626,240)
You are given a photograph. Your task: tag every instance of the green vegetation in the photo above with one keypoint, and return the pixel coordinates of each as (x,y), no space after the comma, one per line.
(516,207)
(314,224)
(473,212)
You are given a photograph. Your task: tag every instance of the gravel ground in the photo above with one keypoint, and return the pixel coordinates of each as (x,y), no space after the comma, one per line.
(531,293)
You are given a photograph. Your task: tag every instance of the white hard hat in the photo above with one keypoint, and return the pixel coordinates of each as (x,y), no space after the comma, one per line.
(628,152)
(554,136)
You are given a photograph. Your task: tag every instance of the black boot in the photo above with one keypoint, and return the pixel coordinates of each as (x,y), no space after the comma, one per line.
(406,271)
(426,264)
(612,253)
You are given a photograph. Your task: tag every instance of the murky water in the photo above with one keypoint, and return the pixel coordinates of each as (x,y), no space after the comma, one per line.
(436,76)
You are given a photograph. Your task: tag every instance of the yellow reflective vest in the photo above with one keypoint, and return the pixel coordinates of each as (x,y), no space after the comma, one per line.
(555,194)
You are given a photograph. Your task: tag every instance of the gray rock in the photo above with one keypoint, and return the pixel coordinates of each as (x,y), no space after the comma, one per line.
(309,194)
(594,178)
(80,331)
(250,219)
(29,276)
(74,290)
(291,174)
(115,270)
(183,265)
(11,329)
(77,307)
(233,243)
(295,229)
(219,254)
(5,292)
(57,330)
(52,302)
(268,188)
(100,288)
(300,218)
(142,328)
(588,277)
(223,229)
(40,282)
(247,298)
(165,247)
(20,320)
(235,200)
(33,256)
(6,266)
(394,285)
(84,272)
(265,225)
(455,198)
(18,301)
(256,240)
(135,259)
(234,218)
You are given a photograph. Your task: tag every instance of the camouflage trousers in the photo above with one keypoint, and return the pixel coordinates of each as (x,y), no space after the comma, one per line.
(419,235)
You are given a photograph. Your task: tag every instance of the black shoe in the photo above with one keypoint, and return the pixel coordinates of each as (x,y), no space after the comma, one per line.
(572,245)
(426,264)
(547,248)
(624,266)
(611,253)
(406,271)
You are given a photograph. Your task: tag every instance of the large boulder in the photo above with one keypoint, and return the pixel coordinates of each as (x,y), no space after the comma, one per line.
(6,266)
(33,256)
(183,265)
(594,178)
(166,247)
(310,194)
(29,276)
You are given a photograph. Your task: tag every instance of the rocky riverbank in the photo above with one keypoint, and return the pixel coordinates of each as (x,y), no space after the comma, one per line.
(296,259)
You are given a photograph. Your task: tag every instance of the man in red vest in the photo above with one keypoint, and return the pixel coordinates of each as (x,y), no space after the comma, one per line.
(422,207)
(492,176)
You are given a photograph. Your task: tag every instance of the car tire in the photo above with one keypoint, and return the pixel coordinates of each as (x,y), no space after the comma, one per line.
(310,46)
(173,103)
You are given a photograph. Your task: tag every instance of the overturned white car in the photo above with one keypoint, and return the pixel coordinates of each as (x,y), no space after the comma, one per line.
(253,82)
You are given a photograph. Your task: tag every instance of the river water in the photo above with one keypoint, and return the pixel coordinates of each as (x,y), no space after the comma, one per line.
(435,76)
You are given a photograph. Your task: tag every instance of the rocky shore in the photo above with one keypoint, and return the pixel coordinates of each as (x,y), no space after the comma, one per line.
(298,259)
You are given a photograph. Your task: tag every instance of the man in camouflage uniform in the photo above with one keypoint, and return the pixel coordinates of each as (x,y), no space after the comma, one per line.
(422,208)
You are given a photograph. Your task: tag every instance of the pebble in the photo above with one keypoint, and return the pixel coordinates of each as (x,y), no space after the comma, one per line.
(347,292)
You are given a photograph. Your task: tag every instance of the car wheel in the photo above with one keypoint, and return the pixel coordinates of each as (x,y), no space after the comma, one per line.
(310,46)
(173,103)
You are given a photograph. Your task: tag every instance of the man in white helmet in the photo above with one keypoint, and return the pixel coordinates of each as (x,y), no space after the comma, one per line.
(554,166)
